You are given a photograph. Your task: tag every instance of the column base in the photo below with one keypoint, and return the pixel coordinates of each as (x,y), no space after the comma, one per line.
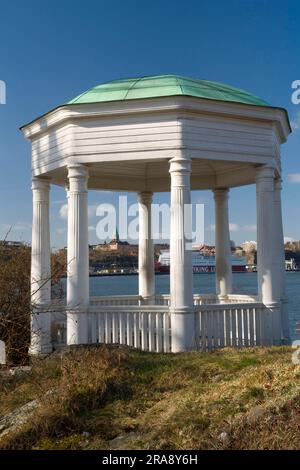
(271,325)
(40,344)
(149,300)
(285,330)
(77,326)
(182,329)
(33,353)
(223,299)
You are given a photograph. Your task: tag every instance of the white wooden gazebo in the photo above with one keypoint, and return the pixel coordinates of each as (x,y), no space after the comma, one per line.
(152,134)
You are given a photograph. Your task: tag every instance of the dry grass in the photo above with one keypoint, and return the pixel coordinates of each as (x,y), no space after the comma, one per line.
(157,401)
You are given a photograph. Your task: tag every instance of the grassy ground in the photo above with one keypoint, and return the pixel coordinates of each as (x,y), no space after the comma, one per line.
(115,397)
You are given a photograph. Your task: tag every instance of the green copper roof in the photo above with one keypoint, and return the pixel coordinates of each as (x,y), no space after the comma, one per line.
(165,85)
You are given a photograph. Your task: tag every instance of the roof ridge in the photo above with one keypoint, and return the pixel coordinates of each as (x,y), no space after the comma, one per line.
(178,83)
(74,100)
(132,85)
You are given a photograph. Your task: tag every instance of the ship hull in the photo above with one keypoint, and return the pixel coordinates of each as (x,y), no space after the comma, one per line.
(202,263)
(163,269)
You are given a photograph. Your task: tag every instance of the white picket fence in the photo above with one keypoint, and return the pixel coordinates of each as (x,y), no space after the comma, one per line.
(148,327)
(242,325)
(143,327)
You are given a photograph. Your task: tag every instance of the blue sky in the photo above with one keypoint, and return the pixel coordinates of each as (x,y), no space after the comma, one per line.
(50,51)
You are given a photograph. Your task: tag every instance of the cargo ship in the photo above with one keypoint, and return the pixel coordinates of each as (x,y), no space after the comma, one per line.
(202,263)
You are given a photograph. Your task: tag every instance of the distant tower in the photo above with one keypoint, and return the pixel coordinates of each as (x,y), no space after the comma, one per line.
(114,244)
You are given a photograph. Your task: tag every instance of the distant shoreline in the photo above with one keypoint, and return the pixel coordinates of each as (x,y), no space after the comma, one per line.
(166,273)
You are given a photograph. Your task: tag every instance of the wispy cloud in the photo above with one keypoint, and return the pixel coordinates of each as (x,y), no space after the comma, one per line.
(288,239)
(295,122)
(294,177)
(250,228)
(234,227)
(58,202)
(63,211)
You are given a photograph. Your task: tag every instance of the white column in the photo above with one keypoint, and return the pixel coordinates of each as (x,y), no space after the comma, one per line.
(223,249)
(40,269)
(266,253)
(146,250)
(181,271)
(78,256)
(279,261)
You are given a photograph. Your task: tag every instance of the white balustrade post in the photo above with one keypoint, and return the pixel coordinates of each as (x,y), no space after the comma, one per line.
(279,261)
(181,270)
(146,249)
(78,256)
(40,269)
(223,249)
(266,253)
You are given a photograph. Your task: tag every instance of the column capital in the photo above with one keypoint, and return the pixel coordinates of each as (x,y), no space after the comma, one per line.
(77,170)
(222,193)
(180,165)
(42,184)
(78,177)
(265,173)
(145,197)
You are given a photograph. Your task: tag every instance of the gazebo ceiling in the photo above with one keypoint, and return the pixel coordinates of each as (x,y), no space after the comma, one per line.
(164,85)
(154,175)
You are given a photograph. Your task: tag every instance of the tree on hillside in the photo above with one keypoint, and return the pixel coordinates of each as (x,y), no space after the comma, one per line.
(15,301)
(15,298)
